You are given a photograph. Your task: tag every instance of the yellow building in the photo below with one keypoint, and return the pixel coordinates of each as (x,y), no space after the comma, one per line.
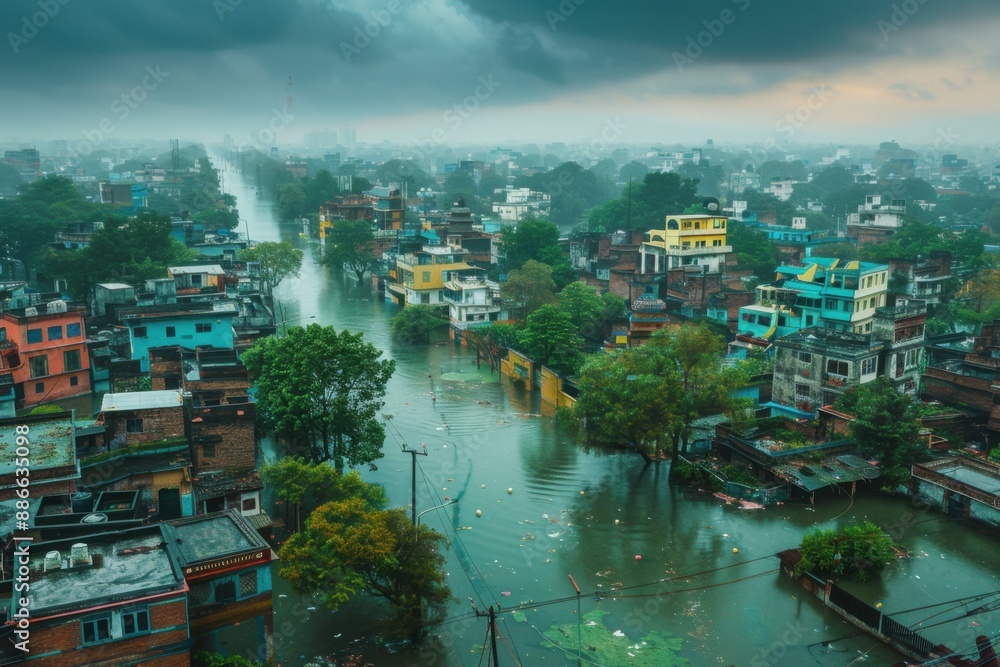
(421,276)
(686,240)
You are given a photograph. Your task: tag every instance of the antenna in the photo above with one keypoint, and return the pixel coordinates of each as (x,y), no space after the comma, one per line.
(288,96)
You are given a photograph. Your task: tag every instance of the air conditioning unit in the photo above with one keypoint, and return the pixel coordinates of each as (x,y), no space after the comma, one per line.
(30,311)
(57,306)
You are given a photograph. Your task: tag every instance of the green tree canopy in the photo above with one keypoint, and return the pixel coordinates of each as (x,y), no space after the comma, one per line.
(649,204)
(530,287)
(350,245)
(125,250)
(292,201)
(296,480)
(648,397)
(414,324)
(320,390)
(532,238)
(354,545)
(754,251)
(856,551)
(277,261)
(593,315)
(885,426)
(550,338)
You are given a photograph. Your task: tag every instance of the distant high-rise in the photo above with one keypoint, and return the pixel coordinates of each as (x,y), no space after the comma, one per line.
(27,162)
(348,136)
(320,139)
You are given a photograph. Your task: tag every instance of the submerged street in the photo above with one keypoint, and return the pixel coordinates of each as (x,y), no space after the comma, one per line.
(605,519)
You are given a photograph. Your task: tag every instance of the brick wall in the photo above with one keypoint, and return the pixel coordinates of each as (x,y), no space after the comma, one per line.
(66,636)
(229,430)
(157,424)
(954,389)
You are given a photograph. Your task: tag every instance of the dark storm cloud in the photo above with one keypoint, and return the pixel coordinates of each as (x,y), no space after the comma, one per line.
(355,59)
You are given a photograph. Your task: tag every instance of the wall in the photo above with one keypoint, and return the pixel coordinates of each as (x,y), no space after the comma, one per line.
(185,334)
(230,430)
(157,424)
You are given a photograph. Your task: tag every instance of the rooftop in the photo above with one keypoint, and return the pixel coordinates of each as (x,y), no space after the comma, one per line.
(114,286)
(141,400)
(132,564)
(213,269)
(212,536)
(51,442)
(217,483)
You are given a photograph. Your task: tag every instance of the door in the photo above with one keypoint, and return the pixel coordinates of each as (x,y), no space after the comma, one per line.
(169,501)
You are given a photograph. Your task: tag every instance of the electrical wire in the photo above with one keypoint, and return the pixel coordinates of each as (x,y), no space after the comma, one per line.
(486,642)
(508,645)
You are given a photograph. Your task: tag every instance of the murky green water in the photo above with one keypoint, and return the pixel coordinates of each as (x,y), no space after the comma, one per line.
(606,520)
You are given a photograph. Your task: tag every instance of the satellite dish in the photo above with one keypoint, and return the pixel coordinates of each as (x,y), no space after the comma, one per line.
(711,204)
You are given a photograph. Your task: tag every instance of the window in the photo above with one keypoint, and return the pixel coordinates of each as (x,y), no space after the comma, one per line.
(39,366)
(801,392)
(225,590)
(248,583)
(39,387)
(208,450)
(171,332)
(74,381)
(868,366)
(717,242)
(133,425)
(831,304)
(73,330)
(203,327)
(139,332)
(248,505)
(805,357)
(34,335)
(836,367)
(71,360)
(55,333)
(196,280)
(809,320)
(135,621)
(425,276)
(96,628)
(717,223)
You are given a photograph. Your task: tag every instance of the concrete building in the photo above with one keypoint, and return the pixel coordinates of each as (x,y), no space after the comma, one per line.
(473,302)
(191,325)
(52,466)
(686,241)
(876,220)
(139,417)
(45,351)
(421,276)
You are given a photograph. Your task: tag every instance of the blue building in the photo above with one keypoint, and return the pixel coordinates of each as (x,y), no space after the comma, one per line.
(823,292)
(190,325)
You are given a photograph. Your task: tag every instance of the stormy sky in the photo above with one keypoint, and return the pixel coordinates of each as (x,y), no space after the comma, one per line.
(495,71)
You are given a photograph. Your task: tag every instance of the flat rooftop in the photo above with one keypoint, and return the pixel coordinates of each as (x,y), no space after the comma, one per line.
(141,400)
(212,536)
(52,443)
(134,564)
(978,477)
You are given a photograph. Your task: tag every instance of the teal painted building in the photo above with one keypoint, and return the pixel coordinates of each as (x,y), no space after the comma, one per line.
(188,325)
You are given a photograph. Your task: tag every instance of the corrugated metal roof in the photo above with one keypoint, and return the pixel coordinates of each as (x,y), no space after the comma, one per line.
(141,400)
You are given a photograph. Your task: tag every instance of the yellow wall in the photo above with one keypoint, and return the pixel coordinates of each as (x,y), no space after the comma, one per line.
(517,366)
(430,276)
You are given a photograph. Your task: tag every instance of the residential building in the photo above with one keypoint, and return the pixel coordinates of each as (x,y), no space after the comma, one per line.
(128,197)
(227,566)
(77,235)
(191,325)
(45,351)
(108,599)
(876,220)
(27,161)
(741,180)
(108,297)
(388,206)
(139,417)
(823,292)
(923,280)
(421,276)
(902,329)
(161,478)
(961,487)
(512,204)
(686,241)
(198,279)
(781,188)
(814,366)
(473,301)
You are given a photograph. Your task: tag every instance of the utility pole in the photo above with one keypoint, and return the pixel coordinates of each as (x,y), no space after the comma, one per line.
(493,637)
(413,482)
(579,622)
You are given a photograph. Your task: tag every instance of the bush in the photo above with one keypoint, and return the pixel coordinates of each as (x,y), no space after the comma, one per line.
(415,323)
(863,549)
(209,659)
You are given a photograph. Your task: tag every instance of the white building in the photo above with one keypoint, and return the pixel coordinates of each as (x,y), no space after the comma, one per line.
(473,301)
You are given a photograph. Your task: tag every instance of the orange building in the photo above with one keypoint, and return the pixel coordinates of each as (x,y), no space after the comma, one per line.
(45,349)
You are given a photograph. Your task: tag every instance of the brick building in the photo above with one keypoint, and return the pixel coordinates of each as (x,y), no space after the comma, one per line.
(51,454)
(108,600)
(134,418)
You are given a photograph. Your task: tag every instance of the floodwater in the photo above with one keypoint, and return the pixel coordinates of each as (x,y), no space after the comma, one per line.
(607,520)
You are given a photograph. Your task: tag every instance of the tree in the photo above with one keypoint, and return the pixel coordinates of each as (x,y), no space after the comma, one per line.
(550,338)
(415,323)
(295,480)
(354,545)
(530,287)
(648,397)
(319,190)
(857,551)
(210,659)
(351,246)
(633,171)
(320,390)
(531,238)
(291,201)
(125,250)
(754,251)
(583,306)
(217,217)
(277,261)
(886,426)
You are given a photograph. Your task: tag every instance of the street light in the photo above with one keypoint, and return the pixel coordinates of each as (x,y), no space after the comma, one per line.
(246,224)
(431,509)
